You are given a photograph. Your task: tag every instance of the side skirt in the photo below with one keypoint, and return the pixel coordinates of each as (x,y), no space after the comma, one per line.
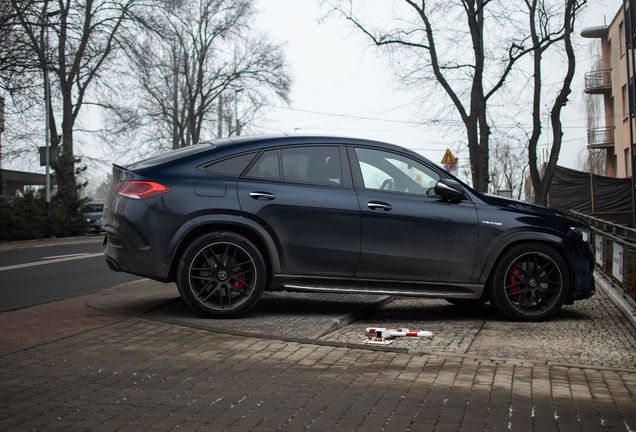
(363,286)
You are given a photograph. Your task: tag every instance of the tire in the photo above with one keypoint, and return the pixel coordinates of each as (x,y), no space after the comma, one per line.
(467,303)
(221,275)
(530,283)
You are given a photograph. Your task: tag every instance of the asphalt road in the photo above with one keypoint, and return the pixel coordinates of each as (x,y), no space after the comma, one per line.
(36,273)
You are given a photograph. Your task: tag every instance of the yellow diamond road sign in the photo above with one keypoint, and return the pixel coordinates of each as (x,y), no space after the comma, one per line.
(449,158)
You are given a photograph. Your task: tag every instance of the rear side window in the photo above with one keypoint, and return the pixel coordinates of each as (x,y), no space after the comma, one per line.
(266,167)
(320,164)
(233,166)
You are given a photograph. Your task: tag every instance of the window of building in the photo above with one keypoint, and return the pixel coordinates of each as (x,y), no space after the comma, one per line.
(621,35)
(625,102)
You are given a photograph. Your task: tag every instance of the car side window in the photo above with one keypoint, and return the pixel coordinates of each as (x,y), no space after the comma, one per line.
(266,167)
(319,164)
(233,166)
(383,170)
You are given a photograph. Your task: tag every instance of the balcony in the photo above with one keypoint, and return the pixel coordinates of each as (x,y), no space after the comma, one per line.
(600,137)
(598,82)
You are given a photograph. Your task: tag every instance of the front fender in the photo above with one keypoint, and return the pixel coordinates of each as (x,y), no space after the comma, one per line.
(515,238)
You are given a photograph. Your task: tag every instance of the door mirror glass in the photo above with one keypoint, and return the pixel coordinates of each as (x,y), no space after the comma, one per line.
(450,189)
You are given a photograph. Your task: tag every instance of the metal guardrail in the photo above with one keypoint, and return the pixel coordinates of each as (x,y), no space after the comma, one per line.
(615,247)
(600,136)
(598,79)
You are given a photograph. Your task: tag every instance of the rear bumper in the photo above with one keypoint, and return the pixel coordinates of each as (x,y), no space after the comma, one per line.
(124,255)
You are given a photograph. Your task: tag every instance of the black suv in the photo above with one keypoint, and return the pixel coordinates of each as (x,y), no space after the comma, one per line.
(229,218)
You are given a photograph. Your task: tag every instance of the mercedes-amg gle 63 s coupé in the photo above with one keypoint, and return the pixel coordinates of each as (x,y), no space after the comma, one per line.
(229,218)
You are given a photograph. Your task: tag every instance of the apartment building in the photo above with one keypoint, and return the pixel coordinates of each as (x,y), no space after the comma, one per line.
(611,81)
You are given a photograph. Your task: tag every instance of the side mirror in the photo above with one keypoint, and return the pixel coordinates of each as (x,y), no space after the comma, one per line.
(450,189)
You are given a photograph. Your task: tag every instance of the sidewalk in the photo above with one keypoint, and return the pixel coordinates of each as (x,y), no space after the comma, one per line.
(108,372)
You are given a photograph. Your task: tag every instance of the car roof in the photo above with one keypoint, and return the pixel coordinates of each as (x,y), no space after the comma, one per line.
(273,140)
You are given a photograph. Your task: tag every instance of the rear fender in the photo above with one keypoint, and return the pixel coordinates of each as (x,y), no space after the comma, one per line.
(224,222)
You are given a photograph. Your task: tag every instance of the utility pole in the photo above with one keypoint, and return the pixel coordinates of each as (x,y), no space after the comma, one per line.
(238,124)
(47,104)
(220,132)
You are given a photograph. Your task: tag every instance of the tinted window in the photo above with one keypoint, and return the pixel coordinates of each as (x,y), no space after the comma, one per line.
(266,166)
(389,171)
(319,164)
(233,166)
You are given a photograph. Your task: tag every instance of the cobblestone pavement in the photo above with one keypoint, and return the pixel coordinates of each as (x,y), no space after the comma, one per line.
(590,332)
(37,324)
(134,373)
(138,374)
(300,315)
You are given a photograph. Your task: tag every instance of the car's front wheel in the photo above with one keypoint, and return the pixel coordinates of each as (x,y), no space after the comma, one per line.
(530,283)
(221,275)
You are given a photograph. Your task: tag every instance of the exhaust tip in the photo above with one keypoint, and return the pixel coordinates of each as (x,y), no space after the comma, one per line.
(113,265)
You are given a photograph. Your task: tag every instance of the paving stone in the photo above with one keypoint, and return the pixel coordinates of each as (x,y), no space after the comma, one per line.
(136,374)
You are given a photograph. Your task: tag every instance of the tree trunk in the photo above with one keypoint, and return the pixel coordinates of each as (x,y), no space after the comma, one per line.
(542,185)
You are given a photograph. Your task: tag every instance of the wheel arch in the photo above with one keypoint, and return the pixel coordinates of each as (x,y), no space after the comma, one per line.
(248,229)
(509,242)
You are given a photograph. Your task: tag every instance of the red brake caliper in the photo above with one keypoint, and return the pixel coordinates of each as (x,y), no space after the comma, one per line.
(238,285)
(513,279)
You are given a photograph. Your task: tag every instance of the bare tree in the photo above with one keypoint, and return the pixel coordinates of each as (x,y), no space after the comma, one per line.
(73,40)
(15,58)
(469,48)
(197,64)
(540,17)
(507,167)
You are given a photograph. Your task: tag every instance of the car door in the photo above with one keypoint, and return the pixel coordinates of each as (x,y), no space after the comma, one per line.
(305,198)
(407,232)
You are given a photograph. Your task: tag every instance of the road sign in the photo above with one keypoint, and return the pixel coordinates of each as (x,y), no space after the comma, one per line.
(449,158)
(449,162)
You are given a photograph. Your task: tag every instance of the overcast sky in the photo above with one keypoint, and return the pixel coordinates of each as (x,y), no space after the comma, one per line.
(339,79)
(343,86)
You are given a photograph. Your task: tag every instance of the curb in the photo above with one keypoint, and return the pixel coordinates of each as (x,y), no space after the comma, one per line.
(337,323)
(617,298)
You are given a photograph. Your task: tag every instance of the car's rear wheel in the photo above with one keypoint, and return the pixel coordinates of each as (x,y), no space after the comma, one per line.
(530,283)
(221,275)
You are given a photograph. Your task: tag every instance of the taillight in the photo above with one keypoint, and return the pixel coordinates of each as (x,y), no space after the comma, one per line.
(140,190)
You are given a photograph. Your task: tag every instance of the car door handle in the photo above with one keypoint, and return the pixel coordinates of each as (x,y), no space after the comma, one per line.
(262,196)
(377,205)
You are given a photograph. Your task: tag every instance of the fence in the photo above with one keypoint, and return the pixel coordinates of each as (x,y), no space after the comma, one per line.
(615,247)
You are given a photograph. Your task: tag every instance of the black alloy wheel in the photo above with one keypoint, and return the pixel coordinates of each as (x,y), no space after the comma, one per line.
(221,275)
(530,283)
